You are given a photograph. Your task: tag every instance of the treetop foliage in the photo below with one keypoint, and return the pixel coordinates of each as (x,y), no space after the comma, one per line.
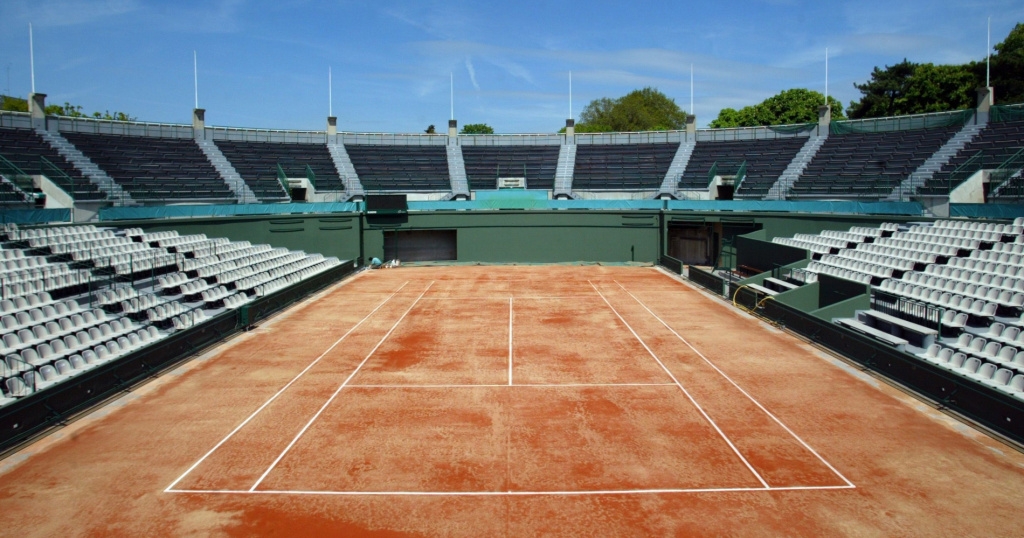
(477,128)
(797,105)
(15,104)
(640,110)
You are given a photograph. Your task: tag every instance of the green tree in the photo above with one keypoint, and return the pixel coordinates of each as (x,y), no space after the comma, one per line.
(430,129)
(912,88)
(1007,70)
(797,105)
(13,104)
(640,110)
(476,128)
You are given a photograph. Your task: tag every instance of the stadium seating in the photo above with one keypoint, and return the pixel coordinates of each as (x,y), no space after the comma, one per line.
(127,290)
(622,167)
(257,163)
(484,164)
(400,168)
(868,165)
(24,147)
(995,143)
(765,160)
(154,169)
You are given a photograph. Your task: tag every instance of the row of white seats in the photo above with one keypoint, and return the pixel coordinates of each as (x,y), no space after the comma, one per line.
(918,246)
(987,373)
(38,315)
(819,240)
(72,248)
(291,278)
(270,264)
(156,236)
(164,311)
(58,347)
(1002,269)
(868,231)
(193,287)
(984,348)
(245,261)
(156,262)
(210,246)
(1009,229)
(848,274)
(44,242)
(903,254)
(172,280)
(24,262)
(976,277)
(30,233)
(1007,298)
(985,237)
(251,282)
(1011,248)
(105,256)
(181,240)
(806,245)
(115,295)
(236,300)
(189,319)
(11,253)
(849,237)
(25,302)
(215,294)
(943,299)
(46,284)
(872,269)
(56,328)
(898,264)
(193,264)
(957,242)
(1006,334)
(998,257)
(28,275)
(140,303)
(66,368)
(132,232)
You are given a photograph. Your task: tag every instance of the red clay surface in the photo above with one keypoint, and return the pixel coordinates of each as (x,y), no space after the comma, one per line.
(513,401)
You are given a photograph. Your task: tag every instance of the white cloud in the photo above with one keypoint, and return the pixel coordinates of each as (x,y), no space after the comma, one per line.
(472,73)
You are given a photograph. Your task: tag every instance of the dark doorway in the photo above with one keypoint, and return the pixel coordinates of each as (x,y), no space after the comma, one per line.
(420,245)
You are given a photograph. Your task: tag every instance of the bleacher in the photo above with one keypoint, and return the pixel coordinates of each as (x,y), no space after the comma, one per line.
(257,163)
(9,195)
(765,159)
(77,297)
(622,167)
(950,293)
(154,169)
(401,168)
(868,165)
(484,164)
(994,144)
(24,147)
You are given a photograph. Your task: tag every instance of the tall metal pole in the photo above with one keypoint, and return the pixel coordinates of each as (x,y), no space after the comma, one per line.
(570,94)
(195,75)
(330,93)
(826,76)
(988,52)
(32,57)
(691,90)
(451,82)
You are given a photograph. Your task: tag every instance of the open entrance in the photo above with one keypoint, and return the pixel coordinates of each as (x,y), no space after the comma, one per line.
(691,244)
(420,245)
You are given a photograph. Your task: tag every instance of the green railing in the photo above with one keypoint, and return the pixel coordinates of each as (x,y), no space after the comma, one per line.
(282,178)
(311,177)
(964,171)
(741,174)
(57,176)
(1009,168)
(16,175)
(728,168)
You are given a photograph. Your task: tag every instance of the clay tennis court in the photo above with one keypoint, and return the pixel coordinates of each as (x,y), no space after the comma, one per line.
(514,401)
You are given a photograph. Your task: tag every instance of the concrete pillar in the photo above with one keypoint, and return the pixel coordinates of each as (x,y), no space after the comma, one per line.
(332,125)
(691,125)
(570,127)
(453,127)
(37,108)
(199,122)
(824,118)
(986,98)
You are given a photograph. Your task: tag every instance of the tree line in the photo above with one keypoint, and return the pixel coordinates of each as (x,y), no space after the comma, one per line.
(15,104)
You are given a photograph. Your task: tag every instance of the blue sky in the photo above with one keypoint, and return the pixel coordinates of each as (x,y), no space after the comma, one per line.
(265,64)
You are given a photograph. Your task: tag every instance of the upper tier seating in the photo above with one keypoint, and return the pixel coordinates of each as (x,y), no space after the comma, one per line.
(257,163)
(868,165)
(766,160)
(8,195)
(622,166)
(997,142)
(24,147)
(484,164)
(400,168)
(154,169)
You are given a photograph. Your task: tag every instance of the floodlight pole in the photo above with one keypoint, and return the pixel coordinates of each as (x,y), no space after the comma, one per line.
(570,94)
(826,76)
(31,58)
(691,90)
(451,86)
(195,75)
(330,93)
(988,52)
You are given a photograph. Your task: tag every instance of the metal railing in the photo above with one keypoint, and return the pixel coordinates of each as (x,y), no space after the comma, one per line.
(1006,170)
(57,176)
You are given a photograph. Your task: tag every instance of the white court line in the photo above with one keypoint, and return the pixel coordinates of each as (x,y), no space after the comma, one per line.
(745,393)
(510,341)
(284,388)
(336,392)
(528,385)
(478,298)
(686,392)
(509,493)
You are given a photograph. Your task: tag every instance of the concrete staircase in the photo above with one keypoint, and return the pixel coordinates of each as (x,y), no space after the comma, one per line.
(563,173)
(796,167)
(457,172)
(103,182)
(670,184)
(346,170)
(935,163)
(227,172)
